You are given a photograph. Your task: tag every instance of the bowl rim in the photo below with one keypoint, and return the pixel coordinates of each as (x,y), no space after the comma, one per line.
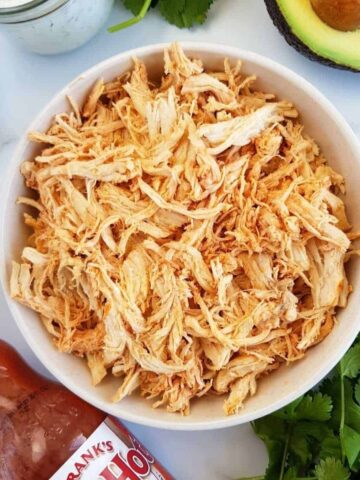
(12,170)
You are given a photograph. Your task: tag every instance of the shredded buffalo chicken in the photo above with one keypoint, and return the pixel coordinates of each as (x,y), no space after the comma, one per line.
(188,236)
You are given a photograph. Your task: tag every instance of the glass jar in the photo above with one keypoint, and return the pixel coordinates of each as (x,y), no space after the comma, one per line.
(53,26)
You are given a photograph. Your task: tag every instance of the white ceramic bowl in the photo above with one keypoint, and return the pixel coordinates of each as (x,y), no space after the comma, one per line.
(339,144)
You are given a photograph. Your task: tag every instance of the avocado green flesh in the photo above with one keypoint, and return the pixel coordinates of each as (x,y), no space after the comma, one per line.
(340,47)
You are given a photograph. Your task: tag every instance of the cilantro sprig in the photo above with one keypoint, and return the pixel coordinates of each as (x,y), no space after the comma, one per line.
(182,13)
(317,437)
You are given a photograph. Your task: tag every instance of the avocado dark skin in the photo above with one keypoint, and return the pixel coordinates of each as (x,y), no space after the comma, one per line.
(283,27)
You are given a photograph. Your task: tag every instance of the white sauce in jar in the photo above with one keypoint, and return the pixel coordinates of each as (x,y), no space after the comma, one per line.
(71,24)
(12,3)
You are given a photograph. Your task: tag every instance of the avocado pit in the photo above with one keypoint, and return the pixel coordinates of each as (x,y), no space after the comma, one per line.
(305,24)
(342,15)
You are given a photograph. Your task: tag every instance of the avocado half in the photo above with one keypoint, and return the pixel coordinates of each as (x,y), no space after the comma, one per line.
(309,35)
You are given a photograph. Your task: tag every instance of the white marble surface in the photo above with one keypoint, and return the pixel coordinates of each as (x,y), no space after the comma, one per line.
(28,81)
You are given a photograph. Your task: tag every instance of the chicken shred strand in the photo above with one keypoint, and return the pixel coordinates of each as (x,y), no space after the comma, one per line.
(187,236)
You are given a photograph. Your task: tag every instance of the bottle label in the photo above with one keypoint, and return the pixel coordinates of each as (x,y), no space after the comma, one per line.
(111,453)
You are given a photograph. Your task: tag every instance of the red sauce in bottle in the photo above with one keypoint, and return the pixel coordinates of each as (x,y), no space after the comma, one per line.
(42,423)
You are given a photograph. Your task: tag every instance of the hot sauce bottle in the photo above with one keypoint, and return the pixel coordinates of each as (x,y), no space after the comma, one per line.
(47,432)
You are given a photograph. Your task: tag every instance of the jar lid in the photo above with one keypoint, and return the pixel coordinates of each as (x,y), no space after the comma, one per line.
(14,11)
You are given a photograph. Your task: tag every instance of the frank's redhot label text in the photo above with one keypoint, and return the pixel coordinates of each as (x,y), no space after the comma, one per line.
(111,453)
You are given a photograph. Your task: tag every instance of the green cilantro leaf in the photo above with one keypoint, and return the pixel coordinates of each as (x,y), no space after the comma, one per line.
(357,392)
(275,449)
(289,411)
(185,13)
(320,440)
(290,474)
(299,446)
(346,412)
(315,430)
(330,447)
(351,409)
(317,407)
(351,443)
(139,8)
(310,407)
(350,364)
(272,431)
(331,469)
(352,414)
(182,13)
(333,387)
(317,437)
(270,427)
(172,11)
(134,5)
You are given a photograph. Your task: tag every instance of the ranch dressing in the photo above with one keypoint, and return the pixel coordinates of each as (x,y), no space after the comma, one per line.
(53,26)
(12,3)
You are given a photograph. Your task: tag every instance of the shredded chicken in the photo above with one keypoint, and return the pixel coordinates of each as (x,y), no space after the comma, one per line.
(188,236)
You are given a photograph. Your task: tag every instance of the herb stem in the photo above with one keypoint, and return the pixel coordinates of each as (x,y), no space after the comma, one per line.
(133,20)
(342,410)
(283,462)
(260,477)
